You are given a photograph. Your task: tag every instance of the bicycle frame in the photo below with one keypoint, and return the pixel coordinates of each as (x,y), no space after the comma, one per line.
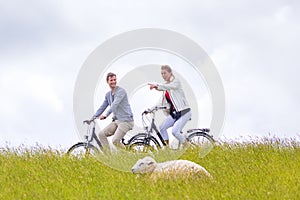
(93,136)
(153,125)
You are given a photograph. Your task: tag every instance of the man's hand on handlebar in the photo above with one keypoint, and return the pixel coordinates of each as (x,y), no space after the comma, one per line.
(89,121)
(101,117)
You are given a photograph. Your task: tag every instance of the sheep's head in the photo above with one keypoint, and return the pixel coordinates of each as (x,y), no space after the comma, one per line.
(143,166)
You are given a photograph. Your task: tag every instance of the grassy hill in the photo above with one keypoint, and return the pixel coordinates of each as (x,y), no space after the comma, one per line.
(257,170)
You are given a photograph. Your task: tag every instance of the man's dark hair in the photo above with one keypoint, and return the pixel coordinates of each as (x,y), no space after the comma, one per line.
(110,74)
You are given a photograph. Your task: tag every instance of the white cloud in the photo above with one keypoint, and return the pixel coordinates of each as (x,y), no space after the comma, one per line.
(283,14)
(19,85)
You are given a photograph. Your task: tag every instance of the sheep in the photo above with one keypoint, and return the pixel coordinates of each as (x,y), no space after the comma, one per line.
(186,168)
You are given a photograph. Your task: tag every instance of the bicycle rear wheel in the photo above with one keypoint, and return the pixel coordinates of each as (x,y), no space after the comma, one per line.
(144,145)
(83,149)
(202,141)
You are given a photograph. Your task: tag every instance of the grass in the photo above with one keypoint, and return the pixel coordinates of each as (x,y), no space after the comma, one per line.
(267,169)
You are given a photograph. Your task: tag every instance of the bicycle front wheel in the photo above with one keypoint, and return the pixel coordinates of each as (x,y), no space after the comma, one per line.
(83,149)
(137,137)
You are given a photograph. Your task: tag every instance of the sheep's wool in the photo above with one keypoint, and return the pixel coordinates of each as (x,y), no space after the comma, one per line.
(148,165)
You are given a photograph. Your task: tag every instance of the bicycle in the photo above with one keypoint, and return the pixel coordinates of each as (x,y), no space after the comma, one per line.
(82,149)
(198,137)
(87,147)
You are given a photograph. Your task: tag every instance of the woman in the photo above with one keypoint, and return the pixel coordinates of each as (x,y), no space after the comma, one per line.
(180,111)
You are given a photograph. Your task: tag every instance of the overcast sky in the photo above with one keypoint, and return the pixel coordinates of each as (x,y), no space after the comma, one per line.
(254,44)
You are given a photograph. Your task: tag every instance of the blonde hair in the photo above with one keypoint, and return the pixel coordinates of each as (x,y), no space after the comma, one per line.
(167,68)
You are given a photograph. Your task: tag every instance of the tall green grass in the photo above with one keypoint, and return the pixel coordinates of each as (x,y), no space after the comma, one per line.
(258,170)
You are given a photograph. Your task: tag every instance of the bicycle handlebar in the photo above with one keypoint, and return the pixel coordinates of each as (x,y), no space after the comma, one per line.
(89,121)
(156,108)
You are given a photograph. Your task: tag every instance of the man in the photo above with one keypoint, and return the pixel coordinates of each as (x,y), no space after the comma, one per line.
(122,122)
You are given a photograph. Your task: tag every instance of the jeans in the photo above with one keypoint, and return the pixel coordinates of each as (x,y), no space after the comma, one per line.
(177,126)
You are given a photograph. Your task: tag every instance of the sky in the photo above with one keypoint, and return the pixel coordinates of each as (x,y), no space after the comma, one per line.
(43,44)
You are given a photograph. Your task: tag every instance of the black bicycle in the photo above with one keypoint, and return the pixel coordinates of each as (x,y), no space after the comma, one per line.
(151,139)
